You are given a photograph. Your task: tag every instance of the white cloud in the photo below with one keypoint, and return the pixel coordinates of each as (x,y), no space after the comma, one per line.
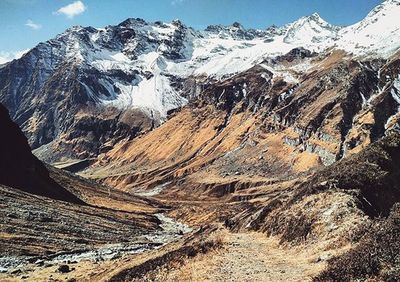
(72,10)
(9,56)
(33,25)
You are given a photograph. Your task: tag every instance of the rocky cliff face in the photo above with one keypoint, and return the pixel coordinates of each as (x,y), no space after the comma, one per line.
(20,169)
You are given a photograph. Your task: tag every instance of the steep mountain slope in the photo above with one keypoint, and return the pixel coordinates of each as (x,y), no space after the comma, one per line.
(373,178)
(77,95)
(21,170)
(32,191)
(375,257)
(256,123)
(51,218)
(311,30)
(377,33)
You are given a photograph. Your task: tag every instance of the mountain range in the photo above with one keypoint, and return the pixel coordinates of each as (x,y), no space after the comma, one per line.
(77,95)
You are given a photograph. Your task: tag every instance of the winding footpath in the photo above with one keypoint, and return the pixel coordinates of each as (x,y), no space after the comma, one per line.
(252,257)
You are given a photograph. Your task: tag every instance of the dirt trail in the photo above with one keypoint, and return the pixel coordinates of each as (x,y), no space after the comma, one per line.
(251,257)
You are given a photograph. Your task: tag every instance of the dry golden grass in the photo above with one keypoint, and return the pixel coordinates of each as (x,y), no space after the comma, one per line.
(189,268)
(305,161)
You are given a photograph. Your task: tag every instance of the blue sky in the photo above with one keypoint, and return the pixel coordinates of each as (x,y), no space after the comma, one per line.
(24,23)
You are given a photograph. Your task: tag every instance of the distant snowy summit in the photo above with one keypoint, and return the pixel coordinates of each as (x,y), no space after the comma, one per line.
(133,62)
(378,34)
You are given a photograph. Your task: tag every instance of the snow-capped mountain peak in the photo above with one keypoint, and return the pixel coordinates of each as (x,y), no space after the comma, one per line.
(314,17)
(311,29)
(133,22)
(139,64)
(387,10)
(377,34)
(384,7)
(234,31)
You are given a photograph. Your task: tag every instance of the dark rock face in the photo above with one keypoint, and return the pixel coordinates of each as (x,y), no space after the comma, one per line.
(249,88)
(64,268)
(295,54)
(237,31)
(62,108)
(20,169)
